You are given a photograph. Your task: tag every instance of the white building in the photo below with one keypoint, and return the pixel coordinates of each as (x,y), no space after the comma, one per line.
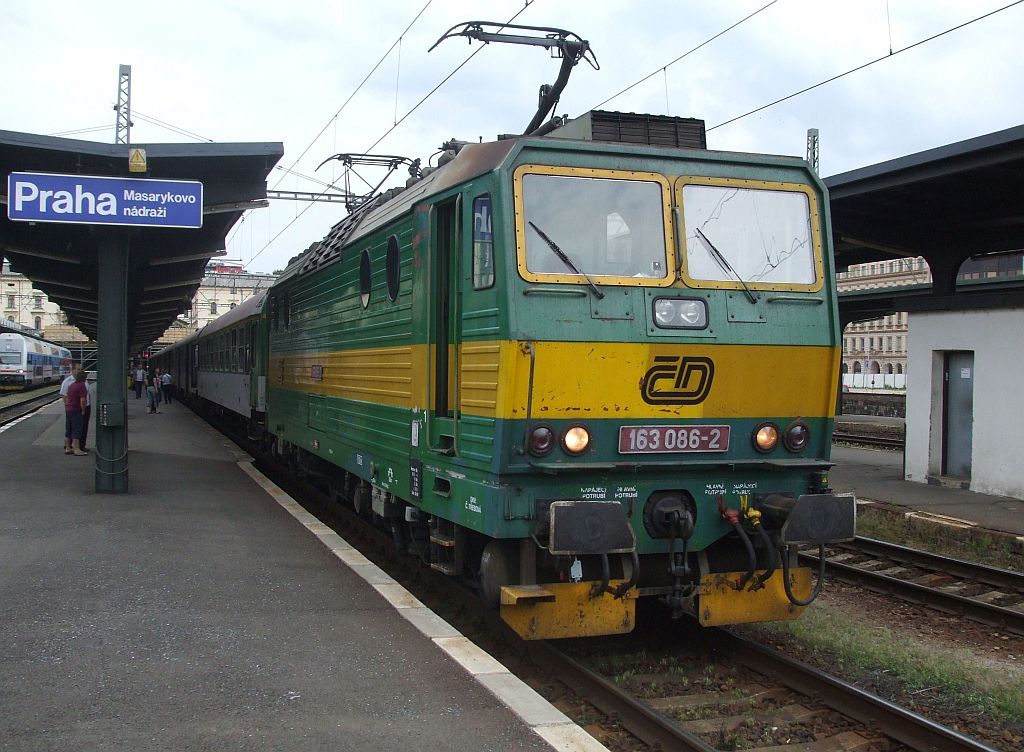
(23,304)
(964,400)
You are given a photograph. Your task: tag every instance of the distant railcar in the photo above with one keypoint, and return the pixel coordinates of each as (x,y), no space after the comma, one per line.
(26,362)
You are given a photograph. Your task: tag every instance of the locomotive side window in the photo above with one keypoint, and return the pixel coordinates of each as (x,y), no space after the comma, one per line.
(364,278)
(612,225)
(483,244)
(762,237)
(393,267)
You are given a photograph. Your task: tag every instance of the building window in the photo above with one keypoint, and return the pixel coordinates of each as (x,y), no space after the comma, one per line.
(39,301)
(10,301)
(213,306)
(39,323)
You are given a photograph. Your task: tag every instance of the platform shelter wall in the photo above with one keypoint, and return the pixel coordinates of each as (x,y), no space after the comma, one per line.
(997,440)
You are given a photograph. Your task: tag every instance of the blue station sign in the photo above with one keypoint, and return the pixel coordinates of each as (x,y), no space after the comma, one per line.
(93,200)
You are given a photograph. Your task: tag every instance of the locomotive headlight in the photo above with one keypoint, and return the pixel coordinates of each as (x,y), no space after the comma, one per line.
(576,440)
(664,312)
(680,313)
(766,437)
(796,436)
(542,439)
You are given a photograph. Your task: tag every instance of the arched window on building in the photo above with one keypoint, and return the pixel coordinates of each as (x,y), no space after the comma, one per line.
(874,367)
(39,323)
(899,368)
(856,366)
(888,368)
(843,369)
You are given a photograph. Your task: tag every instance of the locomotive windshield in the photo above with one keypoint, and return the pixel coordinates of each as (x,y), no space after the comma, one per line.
(750,237)
(609,228)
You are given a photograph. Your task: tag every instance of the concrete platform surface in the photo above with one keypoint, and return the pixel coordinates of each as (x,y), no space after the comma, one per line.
(877,474)
(194,613)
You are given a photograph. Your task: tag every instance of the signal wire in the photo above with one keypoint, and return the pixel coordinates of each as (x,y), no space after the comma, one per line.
(887,56)
(707,41)
(306,208)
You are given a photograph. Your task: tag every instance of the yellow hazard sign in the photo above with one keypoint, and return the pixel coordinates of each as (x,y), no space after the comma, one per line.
(137,160)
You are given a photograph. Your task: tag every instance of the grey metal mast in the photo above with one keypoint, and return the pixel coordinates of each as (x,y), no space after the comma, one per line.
(813,148)
(123,129)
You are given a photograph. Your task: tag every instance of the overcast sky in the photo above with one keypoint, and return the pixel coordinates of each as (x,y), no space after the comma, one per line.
(260,71)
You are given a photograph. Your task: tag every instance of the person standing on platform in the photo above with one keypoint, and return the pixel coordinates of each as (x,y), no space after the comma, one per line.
(64,386)
(140,381)
(90,397)
(167,386)
(158,383)
(74,406)
(153,391)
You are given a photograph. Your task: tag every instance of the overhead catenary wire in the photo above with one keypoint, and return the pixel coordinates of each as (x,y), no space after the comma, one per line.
(280,232)
(170,126)
(887,56)
(355,91)
(75,131)
(664,67)
(445,80)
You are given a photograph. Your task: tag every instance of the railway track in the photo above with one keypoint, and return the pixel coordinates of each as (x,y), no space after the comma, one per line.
(759,694)
(991,596)
(18,404)
(758,699)
(880,442)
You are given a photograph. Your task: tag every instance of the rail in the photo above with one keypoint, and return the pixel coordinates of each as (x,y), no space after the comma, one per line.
(939,582)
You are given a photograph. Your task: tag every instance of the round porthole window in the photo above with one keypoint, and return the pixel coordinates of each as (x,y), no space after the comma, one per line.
(393,265)
(364,279)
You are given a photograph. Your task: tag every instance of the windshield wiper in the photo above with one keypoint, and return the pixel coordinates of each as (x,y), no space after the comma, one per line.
(566,260)
(726,266)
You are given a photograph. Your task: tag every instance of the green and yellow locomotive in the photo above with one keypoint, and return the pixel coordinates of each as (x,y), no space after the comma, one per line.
(576,373)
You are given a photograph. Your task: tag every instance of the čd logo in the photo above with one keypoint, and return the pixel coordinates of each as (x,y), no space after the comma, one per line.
(677,381)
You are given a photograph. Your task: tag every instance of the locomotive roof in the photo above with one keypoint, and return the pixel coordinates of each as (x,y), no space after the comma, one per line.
(474,160)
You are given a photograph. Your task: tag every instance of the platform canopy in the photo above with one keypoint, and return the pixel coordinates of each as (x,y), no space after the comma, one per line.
(947,204)
(165,265)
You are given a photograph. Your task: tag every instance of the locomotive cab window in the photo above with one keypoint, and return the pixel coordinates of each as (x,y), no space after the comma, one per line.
(610,225)
(755,234)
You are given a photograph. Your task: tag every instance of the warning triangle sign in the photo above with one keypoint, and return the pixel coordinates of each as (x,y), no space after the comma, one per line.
(137,160)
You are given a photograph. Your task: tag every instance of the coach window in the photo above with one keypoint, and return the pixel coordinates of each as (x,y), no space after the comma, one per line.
(483,244)
(364,278)
(393,267)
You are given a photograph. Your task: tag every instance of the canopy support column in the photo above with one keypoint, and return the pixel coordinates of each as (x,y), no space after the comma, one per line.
(111,409)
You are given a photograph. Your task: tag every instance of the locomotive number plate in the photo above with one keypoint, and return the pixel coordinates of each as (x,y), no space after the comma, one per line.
(657,439)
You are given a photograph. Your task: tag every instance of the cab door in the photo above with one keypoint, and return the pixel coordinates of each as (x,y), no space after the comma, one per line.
(445,287)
